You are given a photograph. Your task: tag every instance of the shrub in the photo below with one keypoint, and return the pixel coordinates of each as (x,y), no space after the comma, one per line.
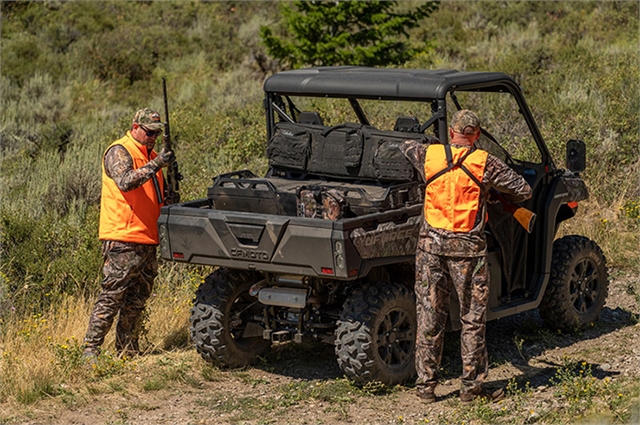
(74,73)
(43,258)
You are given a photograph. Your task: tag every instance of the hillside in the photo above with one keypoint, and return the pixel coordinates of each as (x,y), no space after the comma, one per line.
(73,73)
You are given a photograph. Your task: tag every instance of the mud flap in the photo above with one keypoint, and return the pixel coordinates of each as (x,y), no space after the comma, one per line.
(253,330)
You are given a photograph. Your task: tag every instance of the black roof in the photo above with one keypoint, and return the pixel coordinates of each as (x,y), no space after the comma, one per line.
(384,83)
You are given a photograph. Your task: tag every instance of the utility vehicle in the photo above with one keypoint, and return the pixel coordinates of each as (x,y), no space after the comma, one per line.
(323,245)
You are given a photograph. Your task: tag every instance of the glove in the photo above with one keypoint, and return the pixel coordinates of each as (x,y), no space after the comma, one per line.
(164,158)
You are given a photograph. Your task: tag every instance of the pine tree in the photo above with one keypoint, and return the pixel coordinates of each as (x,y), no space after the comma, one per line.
(323,33)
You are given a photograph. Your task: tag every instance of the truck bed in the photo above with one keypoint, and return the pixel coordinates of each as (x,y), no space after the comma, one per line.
(243,191)
(252,223)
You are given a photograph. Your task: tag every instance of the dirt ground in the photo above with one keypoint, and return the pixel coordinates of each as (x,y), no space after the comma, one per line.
(518,347)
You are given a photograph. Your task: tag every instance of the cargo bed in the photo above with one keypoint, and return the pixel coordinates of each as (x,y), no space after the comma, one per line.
(197,233)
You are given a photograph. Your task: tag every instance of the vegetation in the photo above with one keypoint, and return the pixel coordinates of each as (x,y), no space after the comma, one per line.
(73,74)
(327,33)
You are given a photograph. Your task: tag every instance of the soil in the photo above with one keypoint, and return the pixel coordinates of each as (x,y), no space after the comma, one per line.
(520,347)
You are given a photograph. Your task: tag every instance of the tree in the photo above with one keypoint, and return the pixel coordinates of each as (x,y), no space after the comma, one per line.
(323,33)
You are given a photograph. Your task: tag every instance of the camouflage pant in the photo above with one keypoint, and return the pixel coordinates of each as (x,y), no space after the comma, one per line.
(436,277)
(129,271)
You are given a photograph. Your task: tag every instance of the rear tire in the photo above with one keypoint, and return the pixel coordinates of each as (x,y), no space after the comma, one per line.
(222,310)
(376,334)
(578,285)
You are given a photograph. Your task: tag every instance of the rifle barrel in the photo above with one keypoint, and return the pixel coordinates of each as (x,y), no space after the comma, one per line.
(173,175)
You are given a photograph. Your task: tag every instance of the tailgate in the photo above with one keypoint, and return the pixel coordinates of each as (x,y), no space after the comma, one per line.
(193,233)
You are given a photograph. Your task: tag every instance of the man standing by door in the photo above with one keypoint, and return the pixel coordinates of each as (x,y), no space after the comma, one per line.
(452,247)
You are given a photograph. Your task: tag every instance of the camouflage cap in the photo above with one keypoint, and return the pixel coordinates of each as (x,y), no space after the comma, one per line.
(464,118)
(148,118)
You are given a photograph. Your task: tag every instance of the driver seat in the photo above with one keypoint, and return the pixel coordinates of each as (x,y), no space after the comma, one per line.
(407,125)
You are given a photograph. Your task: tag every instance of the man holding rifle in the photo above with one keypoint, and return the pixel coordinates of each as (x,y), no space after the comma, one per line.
(133,191)
(452,247)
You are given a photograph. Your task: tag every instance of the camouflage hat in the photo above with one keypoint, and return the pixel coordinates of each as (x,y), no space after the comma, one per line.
(148,118)
(464,118)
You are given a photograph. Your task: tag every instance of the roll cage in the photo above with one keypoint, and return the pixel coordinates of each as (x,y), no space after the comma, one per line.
(359,83)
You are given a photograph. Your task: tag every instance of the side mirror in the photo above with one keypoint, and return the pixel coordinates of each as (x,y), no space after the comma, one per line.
(576,156)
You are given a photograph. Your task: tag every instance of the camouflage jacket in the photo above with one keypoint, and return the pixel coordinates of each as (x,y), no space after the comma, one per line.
(118,165)
(497,175)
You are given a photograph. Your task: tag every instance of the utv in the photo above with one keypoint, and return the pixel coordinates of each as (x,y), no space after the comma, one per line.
(323,245)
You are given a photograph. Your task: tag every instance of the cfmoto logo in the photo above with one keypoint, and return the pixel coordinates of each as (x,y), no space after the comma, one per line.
(249,254)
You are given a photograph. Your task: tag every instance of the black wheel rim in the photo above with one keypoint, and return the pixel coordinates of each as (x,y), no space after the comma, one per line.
(396,338)
(584,285)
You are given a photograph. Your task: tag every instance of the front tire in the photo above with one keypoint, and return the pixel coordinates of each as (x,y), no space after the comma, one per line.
(578,286)
(376,334)
(222,312)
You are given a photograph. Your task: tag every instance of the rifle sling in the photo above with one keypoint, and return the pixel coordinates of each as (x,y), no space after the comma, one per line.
(156,187)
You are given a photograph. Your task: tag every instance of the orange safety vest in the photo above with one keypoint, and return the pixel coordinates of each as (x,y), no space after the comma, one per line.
(452,199)
(131,216)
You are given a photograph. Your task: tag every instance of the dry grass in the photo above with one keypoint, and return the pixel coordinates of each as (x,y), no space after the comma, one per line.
(612,228)
(30,369)
(42,353)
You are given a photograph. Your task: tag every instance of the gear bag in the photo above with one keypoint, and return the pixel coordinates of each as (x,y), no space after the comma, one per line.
(321,202)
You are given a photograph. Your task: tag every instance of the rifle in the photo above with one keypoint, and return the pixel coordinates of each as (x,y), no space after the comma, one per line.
(173,175)
(525,217)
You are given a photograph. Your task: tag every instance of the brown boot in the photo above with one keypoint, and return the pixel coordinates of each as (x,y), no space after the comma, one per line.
(90,355)
(467,398)
(427,395)
(127,346)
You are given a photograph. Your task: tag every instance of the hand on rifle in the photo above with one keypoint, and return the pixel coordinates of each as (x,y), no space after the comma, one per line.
(525,217)
(164,158)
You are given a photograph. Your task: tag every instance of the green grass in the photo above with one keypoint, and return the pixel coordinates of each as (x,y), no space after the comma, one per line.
(71,81)
(66,100)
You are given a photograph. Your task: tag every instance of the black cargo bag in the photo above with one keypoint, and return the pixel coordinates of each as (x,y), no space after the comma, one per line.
(389,163)
(336,151)
(289,147)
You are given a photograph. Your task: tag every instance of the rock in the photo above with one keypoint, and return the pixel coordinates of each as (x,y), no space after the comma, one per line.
(533,417)
(605,366)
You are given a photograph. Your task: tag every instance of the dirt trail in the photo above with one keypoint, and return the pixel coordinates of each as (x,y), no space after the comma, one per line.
(304,385)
